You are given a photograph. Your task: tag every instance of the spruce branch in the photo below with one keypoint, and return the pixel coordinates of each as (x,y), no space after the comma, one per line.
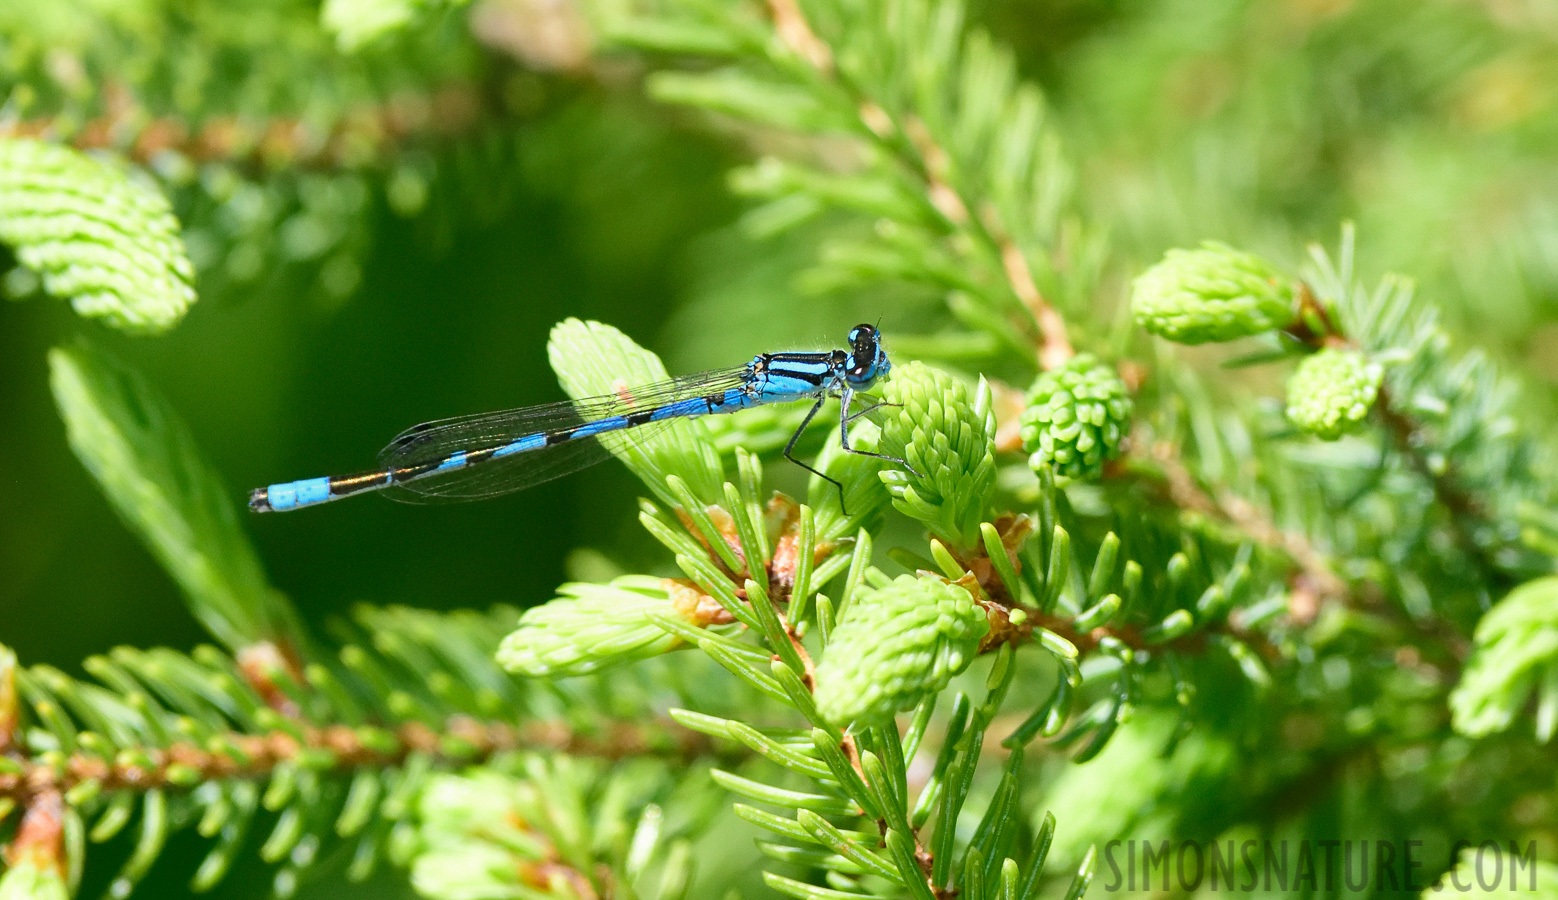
(148,465)
(752,575)
(98,233)
(1497,468)
(547,825)
(187,738)
(956,163)
(366,134)
(1315,589)
(910,139)
(1351,341)
(1159,465)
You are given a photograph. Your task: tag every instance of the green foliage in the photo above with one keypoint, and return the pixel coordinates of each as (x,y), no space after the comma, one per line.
(1136,790)
(1214,293)
(954,669)
(101,236)
(359,732)
(1331,392)
(952,158)
(552,828)
(147,464)
(1516,648)
(895,643)
(1076,417)
(886,644)
(946,433)
(1454,424)
(589,627)
(26,880)
(357,23)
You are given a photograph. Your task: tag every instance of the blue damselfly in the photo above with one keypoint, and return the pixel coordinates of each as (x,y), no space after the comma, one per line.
(471,457)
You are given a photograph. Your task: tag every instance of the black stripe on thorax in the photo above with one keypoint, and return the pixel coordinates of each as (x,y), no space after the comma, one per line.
(815,369)
(832,357)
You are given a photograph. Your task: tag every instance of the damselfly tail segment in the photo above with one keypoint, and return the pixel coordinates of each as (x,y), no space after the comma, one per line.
(484,455)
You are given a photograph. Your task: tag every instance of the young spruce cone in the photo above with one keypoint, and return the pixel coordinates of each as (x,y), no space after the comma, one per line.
(1076,418)
(947,435)
(1214,293)
(1331,392)
(894,645)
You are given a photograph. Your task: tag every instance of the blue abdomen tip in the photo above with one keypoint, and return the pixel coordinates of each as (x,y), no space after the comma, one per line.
(295,494)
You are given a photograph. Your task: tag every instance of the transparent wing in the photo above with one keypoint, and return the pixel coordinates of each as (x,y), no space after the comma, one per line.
(433,442)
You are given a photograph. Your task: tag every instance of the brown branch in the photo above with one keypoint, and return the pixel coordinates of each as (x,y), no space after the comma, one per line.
(933,165)
(260,662)
(1131,636)
(1056,347)
(361,136)
(1181,490)
(40,838)
(1313,582)
(464,740)
(1012,622)
(1462,506)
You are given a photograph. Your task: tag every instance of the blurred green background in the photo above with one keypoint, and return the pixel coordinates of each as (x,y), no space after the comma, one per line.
(359,300)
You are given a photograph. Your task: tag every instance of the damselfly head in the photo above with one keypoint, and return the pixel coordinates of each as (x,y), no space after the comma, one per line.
(867,360)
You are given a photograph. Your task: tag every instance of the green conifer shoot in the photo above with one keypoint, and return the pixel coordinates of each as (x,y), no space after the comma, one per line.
(1331,392)
(1212,293)
(894,645)
(1076,418)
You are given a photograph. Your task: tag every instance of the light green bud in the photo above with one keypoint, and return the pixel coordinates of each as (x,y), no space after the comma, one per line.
(1331,392)
(591,627)
(472,870)
(947,436)
(101,235)
(593,360)
(1214,293)
(1514,655)
(1077,417)
(455,807)
(896,644)
(27,879)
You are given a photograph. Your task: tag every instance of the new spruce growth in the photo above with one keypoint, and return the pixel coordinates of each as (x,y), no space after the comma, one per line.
(966,666)
(101,236)
(1076,417)
(1213,293)
(1515,656)
(895,644)
(1331,392)
(945,432)
(589,627)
